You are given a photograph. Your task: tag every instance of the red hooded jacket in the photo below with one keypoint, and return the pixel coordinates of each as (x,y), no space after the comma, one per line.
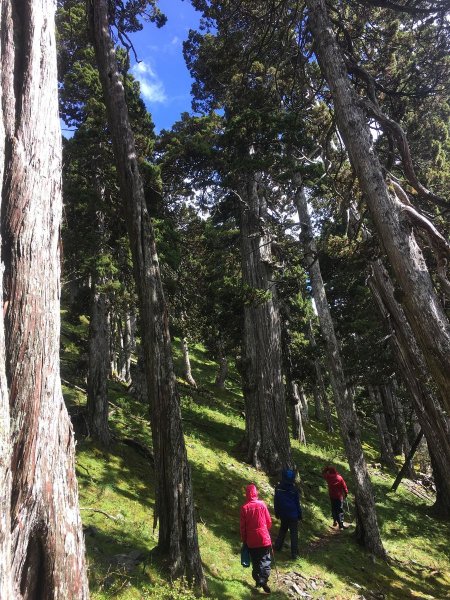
(337,488)
(255,520)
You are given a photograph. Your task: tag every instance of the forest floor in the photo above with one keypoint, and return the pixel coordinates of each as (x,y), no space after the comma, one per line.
(117,497)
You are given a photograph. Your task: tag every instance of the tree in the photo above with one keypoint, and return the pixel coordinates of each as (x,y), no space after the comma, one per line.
(175,506)
(394,219)
(46,535)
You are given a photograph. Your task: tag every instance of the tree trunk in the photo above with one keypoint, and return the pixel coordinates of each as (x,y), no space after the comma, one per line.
(294,400)
(304,404)
(387,454)
(187,372)
(415,375)
(422,307)
(408,462)
(267,437)
(175,504)
(320,386)
(128,346)
(46,535)
(97,383)
(318,412)
(392,418)
(367,529)
(222,373)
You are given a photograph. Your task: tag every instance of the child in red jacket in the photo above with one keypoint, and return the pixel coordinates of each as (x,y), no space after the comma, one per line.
(255,523)
(337,489)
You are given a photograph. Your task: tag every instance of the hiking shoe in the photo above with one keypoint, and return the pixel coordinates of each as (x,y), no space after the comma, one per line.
(266,588)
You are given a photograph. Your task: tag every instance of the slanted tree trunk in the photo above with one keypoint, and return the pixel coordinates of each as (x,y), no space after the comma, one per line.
(266,436)
(416,378)
(175,503)
(367,530)
(5,440)
(421,304)
(187,371)
(97,383)
(222,372)
(46,534)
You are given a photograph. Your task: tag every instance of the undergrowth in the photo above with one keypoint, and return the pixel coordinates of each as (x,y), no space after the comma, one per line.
(119,482)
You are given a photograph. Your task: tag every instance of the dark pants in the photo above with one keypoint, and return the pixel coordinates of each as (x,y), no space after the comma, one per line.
(292,525)
(260,564)
(337,510)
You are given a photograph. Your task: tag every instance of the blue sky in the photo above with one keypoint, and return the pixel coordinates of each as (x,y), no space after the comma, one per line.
(162,73)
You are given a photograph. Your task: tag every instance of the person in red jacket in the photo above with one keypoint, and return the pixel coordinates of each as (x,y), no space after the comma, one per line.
(337,489)
(255,523)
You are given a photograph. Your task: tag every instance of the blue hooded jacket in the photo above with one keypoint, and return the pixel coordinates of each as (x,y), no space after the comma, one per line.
(287,497)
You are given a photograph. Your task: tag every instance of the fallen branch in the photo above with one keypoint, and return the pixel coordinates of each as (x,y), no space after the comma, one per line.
(98,510)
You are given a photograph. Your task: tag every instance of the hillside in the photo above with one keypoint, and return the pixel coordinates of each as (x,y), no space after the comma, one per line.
(117,500)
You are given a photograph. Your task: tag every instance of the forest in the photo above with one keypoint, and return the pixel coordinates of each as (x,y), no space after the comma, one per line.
(262,288)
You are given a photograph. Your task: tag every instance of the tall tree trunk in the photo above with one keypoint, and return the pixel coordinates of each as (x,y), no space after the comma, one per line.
(267,436)
(318,411)
(128,346)
(389,409)
(367,530)
(387,454)
(187,371)
(304,404)
(222,372)
(97,383)
(294,400)
(5,439)
(415,375)
(175,503)
(46,534)
(320,385)
(422,307)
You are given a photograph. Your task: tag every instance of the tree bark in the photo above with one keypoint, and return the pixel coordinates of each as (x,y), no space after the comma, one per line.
(304,404)
(222,373)
(415,375)
(97,383)
(5,436)
(175,504)
(294,400)
(266,437)
(320,385)
(422,307)
(367,530)
(387,454)
(46,534)
(187,371)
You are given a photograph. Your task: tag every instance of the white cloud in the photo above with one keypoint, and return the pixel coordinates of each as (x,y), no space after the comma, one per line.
(152,88)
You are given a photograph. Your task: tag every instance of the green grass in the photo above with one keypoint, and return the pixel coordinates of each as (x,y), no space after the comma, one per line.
(121,483)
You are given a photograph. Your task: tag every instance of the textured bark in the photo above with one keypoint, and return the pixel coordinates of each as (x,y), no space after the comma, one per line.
(422,307)
(97,383)
(408,462)
(304,404)
(294,400)
(222,373)
(320,390)
(367,529)
(47,539)
(5,441)
(187,371)
(128,345)
(387,454)
(175,504)
(415,375)
(267,437)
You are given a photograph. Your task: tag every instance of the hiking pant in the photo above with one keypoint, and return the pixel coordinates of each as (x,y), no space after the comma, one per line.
(337,510)
(260,564)
(292,525)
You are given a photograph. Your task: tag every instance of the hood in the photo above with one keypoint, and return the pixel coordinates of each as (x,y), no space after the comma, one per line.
(251,492)
(330,470)
(288,475)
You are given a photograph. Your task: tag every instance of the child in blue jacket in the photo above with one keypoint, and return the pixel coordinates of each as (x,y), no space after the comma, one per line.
(287,508)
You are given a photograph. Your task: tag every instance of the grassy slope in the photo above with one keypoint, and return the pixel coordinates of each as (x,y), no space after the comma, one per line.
(120,482)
